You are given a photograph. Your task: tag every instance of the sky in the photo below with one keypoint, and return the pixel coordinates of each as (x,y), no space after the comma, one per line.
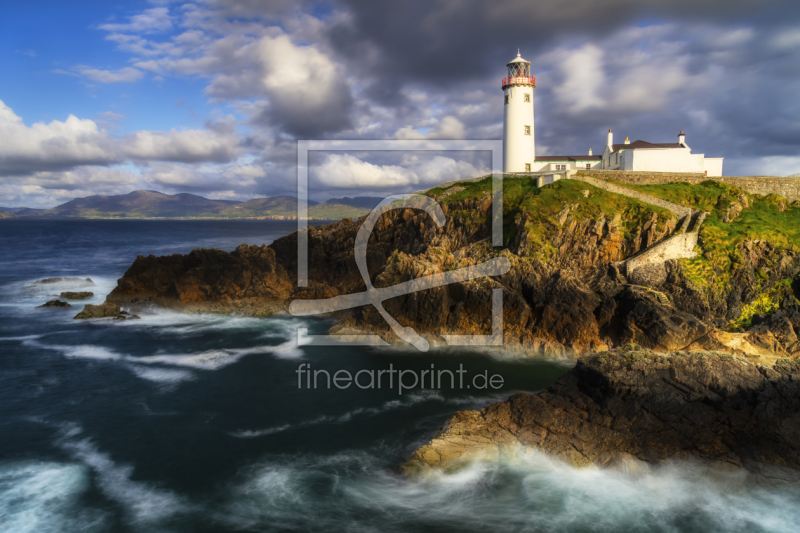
(210,97)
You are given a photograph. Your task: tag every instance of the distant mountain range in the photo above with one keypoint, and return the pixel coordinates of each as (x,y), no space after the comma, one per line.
(153,204)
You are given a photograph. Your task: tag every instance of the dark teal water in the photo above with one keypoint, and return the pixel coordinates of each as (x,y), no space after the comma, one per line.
(183,422)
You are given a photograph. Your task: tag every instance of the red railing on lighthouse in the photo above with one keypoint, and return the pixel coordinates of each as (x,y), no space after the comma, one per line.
(520,80)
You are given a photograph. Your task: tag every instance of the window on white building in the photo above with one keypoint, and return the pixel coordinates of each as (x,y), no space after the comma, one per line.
(506,99)
(527,130)
(527,167)
(527,97)
(588,166)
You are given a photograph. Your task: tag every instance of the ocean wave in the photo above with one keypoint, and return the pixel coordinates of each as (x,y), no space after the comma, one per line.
(162,375)
(42,497)
(206,360)
(169,323)
(22,338)
(529,492)
(142,503)
(406,402)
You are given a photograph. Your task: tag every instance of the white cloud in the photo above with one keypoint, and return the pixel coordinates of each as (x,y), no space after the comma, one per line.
(347,171)
(110,115)
(50,146)
(123,75)
(787,39)
(44,190)
(74,142)
(583,76)
(155,19)
(763,166)
(638,70)
(184,145)
(448,127)
(305,89)
(440,169)
(248,170)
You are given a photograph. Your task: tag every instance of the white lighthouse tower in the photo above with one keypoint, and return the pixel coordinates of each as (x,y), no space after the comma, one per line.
(519,146)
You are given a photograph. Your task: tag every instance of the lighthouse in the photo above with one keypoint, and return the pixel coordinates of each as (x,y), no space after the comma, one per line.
(519,146)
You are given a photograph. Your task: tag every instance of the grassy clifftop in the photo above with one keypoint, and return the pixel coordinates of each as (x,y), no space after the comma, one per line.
(543,208)
(744,238)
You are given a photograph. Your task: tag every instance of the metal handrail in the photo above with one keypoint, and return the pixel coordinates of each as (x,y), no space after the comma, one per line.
(520,80)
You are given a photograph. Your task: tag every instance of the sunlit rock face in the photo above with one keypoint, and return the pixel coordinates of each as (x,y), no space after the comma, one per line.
(630,406)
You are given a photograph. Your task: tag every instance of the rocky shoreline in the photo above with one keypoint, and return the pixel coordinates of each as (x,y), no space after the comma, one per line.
(686,360)
(571,302)
(630,407)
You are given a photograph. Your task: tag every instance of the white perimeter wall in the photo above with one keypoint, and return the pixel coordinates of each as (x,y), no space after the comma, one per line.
(713,166)
(662,160)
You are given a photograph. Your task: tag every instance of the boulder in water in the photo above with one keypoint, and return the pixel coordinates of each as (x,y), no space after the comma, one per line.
(80,281)
(55,303)
(104,310)
(68,295)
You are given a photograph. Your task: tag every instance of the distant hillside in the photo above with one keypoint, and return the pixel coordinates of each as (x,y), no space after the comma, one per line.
(366,202)
(6,214)
(154,204)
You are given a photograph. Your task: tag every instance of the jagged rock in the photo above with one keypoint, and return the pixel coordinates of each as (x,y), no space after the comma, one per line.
(634,405)
(124,315)
(204,275)
(650,320)
(104,310)
(653,275)
(733,211)
(77,295)
(80,281)
(55,303)
(564,294)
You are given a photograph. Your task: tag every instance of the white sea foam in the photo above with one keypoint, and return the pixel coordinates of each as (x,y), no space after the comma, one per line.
(169,323)
(529,493)
(143,503)
(206,360)
(259,432)
(23,338)
(42,497)
(287,350)
(407,401)
(162,375)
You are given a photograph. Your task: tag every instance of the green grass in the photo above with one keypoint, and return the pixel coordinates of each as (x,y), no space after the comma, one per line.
(766,304)
(721,252)
(541,206)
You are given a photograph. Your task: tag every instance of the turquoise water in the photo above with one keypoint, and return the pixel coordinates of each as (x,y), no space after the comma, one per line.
(181,422)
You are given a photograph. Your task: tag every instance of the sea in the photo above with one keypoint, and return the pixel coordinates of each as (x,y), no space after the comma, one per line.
(203,423)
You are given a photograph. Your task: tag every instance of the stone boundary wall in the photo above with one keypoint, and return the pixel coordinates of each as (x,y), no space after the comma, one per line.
(678,246)
(679,210)
(789,188)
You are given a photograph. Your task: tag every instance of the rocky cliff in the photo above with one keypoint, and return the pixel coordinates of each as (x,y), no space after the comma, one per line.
(564,294)
(631,405)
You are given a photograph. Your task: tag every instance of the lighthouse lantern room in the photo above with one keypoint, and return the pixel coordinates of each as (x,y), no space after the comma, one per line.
(519,146)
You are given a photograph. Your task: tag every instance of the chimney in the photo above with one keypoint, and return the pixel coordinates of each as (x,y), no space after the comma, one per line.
(610,141)
(627,140)
(682,138)
(590,151)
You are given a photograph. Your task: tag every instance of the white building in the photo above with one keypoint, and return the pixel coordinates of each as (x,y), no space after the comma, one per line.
(519,142)
(662,157)
(519,145)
